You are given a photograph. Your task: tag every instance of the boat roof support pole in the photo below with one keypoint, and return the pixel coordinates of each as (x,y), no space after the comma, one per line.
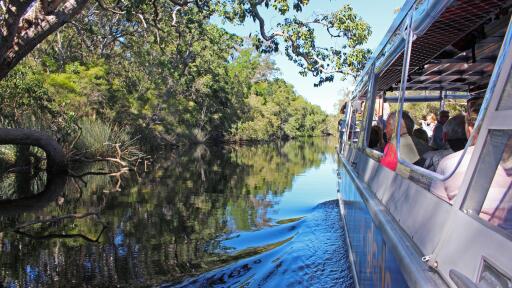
(382,105)
(442,103)
(370,106)
(348,120)
(408,34)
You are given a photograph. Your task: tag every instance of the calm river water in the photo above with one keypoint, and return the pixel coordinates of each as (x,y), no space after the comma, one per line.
(259,216)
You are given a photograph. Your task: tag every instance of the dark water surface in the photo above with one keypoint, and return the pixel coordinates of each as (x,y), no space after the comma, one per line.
(247,216)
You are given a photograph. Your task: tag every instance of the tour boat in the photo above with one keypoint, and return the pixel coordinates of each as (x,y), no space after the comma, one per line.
(399,232)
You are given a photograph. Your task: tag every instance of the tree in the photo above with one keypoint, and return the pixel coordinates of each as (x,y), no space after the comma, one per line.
(26,23)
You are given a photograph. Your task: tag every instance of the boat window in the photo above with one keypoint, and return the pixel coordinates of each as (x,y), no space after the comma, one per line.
(439,100)
(490,192)
(436,127)
(346,127)
(356,121)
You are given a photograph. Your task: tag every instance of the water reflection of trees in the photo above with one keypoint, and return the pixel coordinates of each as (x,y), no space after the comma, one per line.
(161,226)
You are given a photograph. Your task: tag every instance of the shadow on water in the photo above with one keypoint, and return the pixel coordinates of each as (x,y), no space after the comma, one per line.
(201,217)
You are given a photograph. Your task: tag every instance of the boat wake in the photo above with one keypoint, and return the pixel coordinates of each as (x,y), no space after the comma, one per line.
(305,251)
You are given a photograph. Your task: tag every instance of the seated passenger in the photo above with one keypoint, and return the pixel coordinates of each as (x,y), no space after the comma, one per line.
(376,138)
(429,124)
(437,135)
(408,151)
(448,189)
(421,147)
(454,134)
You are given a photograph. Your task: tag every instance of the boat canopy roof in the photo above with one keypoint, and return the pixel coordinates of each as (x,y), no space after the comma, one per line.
(456,45)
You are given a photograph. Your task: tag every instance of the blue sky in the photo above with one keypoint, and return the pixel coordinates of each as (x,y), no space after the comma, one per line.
(378,13)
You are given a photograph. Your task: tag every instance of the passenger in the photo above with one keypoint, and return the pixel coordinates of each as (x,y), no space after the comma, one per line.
(376,138)
(497,206)
(382,124)
(437,135)
(421,147)
(448,189)
(408,151)
(421,134)
(454,134)
(429,125)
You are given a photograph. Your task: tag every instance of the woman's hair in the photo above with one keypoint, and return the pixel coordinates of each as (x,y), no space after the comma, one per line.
(407,125)
(432,117)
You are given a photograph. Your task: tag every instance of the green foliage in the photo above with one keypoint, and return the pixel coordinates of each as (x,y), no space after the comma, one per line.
(79,86)
(7,156)
(193,82)
(297,36)
(97,138)
(23,91)
(419,111)
(278,112)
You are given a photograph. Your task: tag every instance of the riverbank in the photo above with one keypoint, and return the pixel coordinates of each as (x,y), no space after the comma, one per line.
(92,140)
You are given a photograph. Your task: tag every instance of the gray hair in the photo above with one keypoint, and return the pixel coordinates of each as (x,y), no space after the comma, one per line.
(407,120)
(403,127)
(455,127)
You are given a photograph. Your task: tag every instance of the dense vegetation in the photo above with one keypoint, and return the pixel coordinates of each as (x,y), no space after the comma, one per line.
(223,94)
(129,76)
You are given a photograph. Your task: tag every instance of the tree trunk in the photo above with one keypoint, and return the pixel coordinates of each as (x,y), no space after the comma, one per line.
(17,40)
(55,158)
(23,179)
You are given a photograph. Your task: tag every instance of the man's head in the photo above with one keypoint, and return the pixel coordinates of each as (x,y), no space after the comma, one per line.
(454,132)
(443,116)
(473,106)
(421,134)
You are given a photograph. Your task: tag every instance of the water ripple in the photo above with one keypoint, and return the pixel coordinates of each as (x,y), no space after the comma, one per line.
(306,252)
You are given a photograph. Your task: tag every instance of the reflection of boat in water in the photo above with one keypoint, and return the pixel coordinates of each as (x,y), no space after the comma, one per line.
(401,229)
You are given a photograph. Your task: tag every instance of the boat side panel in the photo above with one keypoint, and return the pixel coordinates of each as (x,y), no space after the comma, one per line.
(421,214)
(464,248)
